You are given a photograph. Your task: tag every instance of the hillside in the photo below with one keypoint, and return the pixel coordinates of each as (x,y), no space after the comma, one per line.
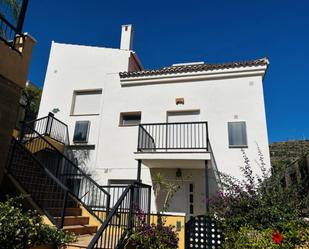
(283,153)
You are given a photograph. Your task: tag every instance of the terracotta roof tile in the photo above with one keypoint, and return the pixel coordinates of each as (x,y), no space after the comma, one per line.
(195,68)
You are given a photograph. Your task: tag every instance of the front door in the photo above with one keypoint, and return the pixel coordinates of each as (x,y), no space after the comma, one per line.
(179,202)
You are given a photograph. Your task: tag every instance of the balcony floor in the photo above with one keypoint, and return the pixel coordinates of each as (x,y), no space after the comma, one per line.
(173,159)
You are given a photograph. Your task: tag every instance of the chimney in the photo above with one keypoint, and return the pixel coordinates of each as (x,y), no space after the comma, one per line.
(126,42)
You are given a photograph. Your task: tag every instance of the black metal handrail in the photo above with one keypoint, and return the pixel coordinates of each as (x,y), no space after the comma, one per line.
(54,128)
(122,218)
(84,188)
(49,126)
(168,137)
(51,195)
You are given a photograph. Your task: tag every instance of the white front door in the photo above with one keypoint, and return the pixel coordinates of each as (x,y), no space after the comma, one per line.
(182,200)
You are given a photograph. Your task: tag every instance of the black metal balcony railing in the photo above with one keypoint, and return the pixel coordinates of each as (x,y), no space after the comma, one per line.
(48,126)
(173,137)
(12,15)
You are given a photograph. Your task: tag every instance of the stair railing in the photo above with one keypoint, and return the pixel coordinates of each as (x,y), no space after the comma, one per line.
(84,188)
(53,128)
(123,217)
(47,126)
(51,195)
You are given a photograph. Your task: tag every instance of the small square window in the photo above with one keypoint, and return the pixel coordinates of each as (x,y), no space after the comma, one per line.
(81,132)
(130,118)
(237,134)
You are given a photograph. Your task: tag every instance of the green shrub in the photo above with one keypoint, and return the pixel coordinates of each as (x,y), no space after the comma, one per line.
(24,229)
(252,209)
(249,238)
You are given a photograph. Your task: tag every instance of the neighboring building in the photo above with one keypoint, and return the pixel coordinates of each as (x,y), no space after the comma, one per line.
(185,121)
(15,55)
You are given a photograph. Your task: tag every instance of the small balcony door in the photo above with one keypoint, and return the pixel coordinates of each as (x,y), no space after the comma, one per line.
(182,136)
(183,116)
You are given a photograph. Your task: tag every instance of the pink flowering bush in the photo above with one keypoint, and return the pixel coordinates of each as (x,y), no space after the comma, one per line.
(257,212)
(152,236)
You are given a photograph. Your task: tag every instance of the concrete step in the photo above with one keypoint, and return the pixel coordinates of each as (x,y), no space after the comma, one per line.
(73,220)
(81,229)
(81,243)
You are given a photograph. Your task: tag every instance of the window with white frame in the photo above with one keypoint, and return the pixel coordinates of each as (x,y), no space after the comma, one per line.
(237,134)
(130,118)
(86,102)
(81,131)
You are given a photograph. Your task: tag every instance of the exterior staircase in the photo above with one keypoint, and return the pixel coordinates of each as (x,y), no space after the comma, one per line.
(43,166)
(74,222)
(82,242)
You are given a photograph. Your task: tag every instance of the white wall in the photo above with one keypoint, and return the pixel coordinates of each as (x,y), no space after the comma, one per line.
(73,67)
(218,101)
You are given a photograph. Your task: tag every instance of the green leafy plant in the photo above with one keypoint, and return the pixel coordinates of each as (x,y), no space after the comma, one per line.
(21,229)
(160,184)
(32,97)
(292,234)
(255,210)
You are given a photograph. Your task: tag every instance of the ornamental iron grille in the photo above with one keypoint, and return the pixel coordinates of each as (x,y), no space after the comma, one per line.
(203,232)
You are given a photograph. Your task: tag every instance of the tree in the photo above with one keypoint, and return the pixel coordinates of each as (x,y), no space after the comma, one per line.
(32,97)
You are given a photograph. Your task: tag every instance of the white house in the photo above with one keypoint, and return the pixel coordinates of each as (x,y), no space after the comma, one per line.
(185,121)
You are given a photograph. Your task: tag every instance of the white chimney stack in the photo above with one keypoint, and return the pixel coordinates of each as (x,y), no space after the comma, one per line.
(126,42)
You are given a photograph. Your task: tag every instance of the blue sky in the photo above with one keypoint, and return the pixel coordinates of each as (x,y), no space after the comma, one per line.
(170,32)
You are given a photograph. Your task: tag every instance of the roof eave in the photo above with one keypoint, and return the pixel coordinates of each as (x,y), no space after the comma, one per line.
(194,76)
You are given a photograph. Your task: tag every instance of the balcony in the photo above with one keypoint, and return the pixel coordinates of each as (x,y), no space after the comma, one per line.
(159,143)
(12,15)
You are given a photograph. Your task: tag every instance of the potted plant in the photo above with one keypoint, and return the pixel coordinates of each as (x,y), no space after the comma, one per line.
(151,236)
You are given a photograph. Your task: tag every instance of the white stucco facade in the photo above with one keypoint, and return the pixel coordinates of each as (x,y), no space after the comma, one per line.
(220,96)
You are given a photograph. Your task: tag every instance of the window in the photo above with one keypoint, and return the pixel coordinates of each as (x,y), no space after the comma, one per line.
(86,102)
(130,118)
(237,134)
(81,132)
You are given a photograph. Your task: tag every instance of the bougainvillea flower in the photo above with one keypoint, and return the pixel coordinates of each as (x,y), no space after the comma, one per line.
(277,237)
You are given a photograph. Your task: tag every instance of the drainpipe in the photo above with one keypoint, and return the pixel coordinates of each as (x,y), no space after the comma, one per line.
(207,186)
(139,166)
